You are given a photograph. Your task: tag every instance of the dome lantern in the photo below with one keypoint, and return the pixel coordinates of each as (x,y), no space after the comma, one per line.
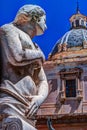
(78,20)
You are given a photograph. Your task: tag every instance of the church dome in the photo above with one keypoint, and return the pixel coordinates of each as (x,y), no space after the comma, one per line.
(76,38)
(71,39)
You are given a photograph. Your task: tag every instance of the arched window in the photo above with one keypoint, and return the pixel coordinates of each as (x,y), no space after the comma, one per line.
(82,22)
(72,24)
(77,23)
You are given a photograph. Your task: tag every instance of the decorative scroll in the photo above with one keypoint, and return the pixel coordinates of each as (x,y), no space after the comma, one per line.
(12,124)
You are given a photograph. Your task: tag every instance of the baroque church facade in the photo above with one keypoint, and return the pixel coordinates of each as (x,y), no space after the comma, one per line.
(66,71)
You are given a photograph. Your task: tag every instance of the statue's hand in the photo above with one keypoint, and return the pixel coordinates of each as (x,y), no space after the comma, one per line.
(40,51)
(33,107)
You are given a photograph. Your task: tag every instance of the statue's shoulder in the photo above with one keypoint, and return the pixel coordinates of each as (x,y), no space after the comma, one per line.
(9,29)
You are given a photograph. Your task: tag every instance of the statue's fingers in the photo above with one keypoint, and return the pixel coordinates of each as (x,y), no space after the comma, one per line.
(30,98)
(31,105)
(34,112)
(26,112)
(31,109)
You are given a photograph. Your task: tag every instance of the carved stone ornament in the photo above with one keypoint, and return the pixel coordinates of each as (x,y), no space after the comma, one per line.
(12,123)
(64,46)
(59,47)
(84,44)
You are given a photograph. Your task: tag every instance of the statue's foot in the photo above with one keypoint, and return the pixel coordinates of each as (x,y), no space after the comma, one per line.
(12,123)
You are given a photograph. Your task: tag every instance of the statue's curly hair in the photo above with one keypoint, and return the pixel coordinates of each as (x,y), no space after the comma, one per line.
(28,12)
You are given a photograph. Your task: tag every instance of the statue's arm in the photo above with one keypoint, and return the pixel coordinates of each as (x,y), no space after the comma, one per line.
(32,54)
(18,52)
(38,99)
(43,86)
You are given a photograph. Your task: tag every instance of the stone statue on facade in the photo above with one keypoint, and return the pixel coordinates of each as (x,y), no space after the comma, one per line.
(24,85)
(49,124)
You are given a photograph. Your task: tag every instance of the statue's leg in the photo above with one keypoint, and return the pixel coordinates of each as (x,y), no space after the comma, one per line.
(25,86)
(12,123)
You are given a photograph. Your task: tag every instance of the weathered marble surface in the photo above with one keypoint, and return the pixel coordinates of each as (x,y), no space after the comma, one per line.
(24,85)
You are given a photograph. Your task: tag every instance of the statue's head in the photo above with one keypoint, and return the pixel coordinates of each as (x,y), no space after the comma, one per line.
(32,13)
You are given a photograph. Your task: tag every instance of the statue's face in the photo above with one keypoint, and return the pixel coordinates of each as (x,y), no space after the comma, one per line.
(41,25)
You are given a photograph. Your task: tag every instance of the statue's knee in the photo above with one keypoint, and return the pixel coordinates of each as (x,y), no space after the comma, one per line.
(12,123)
(28,80)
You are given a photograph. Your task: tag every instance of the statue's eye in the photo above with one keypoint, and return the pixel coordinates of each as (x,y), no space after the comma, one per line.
(45,20)
(38,20)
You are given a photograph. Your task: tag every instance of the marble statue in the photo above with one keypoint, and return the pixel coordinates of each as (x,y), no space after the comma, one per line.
(24,85)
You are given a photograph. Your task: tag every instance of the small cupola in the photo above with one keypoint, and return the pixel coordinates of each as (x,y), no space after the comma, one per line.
(78,20)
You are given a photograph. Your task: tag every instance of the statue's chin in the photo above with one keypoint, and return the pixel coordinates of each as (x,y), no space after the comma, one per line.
(39,31)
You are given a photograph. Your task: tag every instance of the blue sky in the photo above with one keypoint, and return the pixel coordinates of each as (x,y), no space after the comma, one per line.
(58,13)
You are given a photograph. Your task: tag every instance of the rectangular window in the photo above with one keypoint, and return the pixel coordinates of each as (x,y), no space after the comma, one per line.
(70,87)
